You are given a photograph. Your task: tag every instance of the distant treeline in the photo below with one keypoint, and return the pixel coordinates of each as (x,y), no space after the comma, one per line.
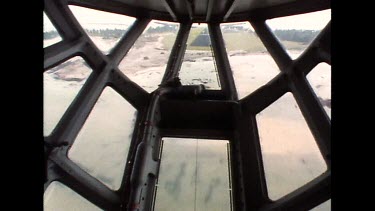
(50,35)
(164,28)
(106,33)
(302,36)
(115,33)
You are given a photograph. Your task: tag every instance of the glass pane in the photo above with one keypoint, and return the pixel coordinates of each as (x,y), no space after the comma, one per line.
(198,66)
(193,175)
(326,206)
(50,34)
(104,29)
(61,84)
(291,156)
(146,61)
(298,31)
(101,147)
(59,197)
(320,80)
(251,64)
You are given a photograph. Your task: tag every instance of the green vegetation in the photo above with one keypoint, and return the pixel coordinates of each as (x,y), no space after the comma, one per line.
(194,33)
(301,36)
(168,40)
(238,39)
(245,41)
(163,29)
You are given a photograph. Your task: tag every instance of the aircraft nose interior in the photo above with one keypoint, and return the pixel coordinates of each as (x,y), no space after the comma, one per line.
(187,105)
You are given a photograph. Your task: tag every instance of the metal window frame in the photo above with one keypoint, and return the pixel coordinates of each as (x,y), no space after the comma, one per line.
(237,125)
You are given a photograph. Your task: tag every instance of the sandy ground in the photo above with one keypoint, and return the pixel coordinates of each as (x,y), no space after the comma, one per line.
(291,157)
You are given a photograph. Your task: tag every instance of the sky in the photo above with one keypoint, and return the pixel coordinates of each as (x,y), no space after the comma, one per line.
(312,21)
(92,19)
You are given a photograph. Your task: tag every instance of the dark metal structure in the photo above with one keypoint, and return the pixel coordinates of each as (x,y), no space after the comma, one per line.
(187,111)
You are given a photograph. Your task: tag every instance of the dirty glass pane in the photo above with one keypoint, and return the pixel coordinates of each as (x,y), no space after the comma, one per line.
(104,29)
(296,32)
(198,65)
(146,61)
(101,147)
(59,197)
(193,175)
(320,80)
(50,34)
(252,66)
(326,206)
(291,156)
(61,84)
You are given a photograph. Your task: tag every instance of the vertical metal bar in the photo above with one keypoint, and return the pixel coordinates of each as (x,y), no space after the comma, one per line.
(221,58)
(178,51)
(230,175)
(254,183)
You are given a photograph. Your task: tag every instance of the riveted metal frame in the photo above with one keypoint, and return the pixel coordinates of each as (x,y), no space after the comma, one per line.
(213,114)
(105,72)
